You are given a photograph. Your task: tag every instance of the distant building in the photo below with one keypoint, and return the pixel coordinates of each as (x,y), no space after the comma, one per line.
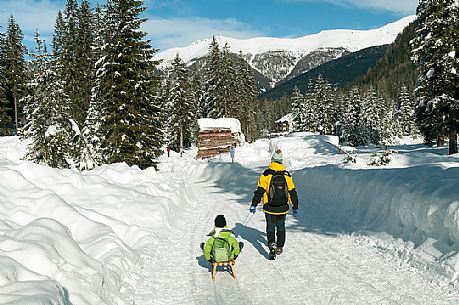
(285,124)
(217,135)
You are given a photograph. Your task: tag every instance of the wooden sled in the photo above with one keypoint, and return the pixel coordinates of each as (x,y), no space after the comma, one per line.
(229,264)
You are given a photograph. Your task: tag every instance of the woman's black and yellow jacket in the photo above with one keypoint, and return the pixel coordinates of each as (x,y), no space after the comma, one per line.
(263,186)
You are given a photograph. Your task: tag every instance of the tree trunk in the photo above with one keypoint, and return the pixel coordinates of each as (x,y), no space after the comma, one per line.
(15,112)
(181,141)
(453,142)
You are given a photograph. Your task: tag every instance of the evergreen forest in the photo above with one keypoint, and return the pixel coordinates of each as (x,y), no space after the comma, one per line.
(95,95)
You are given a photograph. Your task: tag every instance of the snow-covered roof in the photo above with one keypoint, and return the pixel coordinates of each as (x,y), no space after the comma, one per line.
(286,118)
(233,124)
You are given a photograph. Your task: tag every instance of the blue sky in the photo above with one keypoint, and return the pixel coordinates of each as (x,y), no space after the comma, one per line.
(177,23)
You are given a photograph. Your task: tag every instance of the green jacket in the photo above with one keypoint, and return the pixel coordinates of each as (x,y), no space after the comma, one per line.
(222,233)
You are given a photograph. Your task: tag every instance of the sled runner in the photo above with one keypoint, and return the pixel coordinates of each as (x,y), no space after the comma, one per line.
(227,264)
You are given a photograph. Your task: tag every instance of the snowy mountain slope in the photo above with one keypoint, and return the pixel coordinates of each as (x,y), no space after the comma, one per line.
(118,235)
(278,57)
(339,72)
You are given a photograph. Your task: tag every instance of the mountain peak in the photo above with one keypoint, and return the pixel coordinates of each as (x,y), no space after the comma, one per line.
(277,58)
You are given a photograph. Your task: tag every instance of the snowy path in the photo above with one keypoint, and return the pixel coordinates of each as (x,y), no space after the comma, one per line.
(319,266)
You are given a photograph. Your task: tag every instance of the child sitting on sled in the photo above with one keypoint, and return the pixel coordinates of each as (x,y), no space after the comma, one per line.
(222,246)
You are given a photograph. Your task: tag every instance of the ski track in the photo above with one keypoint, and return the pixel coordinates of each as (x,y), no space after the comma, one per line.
(316,268)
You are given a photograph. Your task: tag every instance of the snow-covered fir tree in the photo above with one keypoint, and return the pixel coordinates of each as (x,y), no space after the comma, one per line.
(246,96)
(323,102)
(73,40)
(130,124)
(213,82)
(198,94)
(436,55)
(15,68)
(388,121)
(48,125)
(357,116)
(405,113)
(229,89)
(371,124)
(84,76)
(228,105)
(36,105)
(91,137)
(182,116)
(353,120)
(5,118)
(309,112)
(339,113)
(297,109)
(58,36)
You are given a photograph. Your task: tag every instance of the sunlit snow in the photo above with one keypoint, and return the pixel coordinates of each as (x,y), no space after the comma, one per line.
(119,235)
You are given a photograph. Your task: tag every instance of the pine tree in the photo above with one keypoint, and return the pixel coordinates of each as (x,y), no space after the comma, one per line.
(213,82)
(36,105)
(371,127)
(228,105)
(130,126)
(47,124)
(91,137)
(71,58)
(183,107)
(324,104)
(405,113)
(58,36)
(309,113)
(15,68)
(246,99)
(339,113)
(354,120)
(63,132)
(387,118)
(435,53)
(297,109)
(196,96)
(5,118)
(84,72)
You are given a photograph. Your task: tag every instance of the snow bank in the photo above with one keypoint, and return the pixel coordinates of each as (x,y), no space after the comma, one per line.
(12,148)
(73,238)
(395,201)
(414,198)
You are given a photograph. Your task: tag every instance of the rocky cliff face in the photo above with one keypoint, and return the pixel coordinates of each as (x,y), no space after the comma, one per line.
(276,67)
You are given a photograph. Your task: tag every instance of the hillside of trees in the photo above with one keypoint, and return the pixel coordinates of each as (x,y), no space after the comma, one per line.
(395,67)
(339,72)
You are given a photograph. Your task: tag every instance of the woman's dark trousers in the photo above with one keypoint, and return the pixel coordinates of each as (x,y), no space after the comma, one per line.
(275,223)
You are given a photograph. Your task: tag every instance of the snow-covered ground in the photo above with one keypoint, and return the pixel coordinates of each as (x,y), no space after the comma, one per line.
(118,235)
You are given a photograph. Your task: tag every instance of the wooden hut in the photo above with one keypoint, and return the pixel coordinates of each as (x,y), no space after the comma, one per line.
(217,135)
(284,124)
